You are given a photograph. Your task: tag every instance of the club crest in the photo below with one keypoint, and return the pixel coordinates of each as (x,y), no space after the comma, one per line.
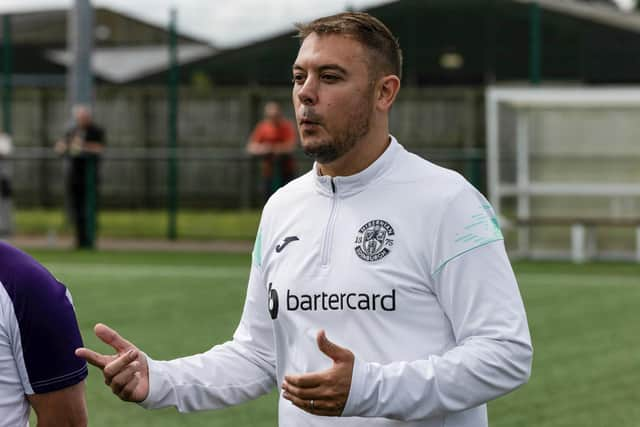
(374,240)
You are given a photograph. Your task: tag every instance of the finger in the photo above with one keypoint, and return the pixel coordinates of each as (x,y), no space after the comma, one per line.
(120,381)
(305,405)
(319,407)
(326,407)
(334,351)
(127,392)
(330,400)
(117,365)
(306,393)
(111,337)
(313,379)
(96,359)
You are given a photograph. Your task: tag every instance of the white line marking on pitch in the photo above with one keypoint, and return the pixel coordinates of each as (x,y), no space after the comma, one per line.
(149,270)
(577,279)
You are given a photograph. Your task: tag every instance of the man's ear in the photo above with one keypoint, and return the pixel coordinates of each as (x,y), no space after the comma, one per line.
(386,92)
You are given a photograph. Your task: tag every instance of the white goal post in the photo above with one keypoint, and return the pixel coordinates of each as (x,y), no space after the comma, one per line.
(569,155)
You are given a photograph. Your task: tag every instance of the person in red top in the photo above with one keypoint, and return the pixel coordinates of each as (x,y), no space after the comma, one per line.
(274,140)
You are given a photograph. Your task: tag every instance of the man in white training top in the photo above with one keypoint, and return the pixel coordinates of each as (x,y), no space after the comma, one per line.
(380,291)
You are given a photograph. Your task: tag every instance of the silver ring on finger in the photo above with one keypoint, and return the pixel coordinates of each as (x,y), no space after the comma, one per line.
(312,404)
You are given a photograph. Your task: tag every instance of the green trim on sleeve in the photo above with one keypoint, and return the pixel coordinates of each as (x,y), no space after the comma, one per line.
(485,243)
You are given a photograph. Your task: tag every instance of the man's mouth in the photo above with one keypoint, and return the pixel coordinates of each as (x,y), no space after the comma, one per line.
(308,117)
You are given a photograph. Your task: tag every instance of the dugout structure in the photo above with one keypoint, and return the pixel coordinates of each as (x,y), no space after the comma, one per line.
(563,169)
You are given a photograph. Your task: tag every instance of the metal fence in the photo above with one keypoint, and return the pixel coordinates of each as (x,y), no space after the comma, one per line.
(215,178)
(443,125)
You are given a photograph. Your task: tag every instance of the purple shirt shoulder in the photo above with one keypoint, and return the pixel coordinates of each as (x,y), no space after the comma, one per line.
(47,321)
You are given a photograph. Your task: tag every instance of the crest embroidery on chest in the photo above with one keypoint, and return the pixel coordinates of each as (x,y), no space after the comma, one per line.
(374,240)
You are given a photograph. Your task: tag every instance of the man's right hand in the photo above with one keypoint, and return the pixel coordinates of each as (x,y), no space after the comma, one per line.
(126,372)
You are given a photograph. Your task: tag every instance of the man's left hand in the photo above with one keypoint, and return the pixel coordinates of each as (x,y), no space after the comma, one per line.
(323,393)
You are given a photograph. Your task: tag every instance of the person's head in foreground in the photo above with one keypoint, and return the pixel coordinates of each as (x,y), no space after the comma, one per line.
(345,80)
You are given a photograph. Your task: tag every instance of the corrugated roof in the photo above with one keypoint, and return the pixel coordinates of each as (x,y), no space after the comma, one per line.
(595,12)
(122,64)
(582,42)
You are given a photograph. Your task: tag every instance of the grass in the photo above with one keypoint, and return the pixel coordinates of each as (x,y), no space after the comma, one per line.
(170,304)
(146,224)
(583,321)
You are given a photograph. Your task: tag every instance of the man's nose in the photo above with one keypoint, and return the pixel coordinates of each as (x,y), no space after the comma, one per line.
(308,93)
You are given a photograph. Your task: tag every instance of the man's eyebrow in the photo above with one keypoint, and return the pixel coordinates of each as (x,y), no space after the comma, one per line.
(326,67)
(333,67)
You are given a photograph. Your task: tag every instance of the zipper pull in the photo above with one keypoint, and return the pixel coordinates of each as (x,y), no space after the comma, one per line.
(333,186)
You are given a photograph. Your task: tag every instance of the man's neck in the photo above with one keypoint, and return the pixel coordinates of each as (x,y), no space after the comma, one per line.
(361,156)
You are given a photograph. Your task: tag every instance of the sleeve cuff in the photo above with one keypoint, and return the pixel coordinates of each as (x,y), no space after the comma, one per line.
(58,383)
(157,385)
(354,401)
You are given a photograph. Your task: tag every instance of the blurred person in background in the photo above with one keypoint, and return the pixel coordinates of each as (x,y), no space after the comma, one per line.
(82,145)
(273,140)
(6,208)
(399,261)
(38,336)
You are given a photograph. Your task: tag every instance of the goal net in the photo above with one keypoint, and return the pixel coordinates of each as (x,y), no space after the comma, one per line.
(565,161)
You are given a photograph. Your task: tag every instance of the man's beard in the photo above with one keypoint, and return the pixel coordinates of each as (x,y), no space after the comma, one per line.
(330,149)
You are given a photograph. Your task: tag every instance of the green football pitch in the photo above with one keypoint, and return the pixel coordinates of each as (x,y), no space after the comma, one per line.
(584,322)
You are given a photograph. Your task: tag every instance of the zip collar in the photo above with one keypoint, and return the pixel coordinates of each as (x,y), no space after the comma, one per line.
(345,186)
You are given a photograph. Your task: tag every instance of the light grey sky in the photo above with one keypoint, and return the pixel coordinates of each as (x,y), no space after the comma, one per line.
(223,22)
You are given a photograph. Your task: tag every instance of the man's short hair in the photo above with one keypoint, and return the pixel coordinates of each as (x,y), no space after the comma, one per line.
(386,55)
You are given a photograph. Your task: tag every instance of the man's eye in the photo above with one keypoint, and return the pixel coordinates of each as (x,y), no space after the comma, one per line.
(297,78)
(330,77)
